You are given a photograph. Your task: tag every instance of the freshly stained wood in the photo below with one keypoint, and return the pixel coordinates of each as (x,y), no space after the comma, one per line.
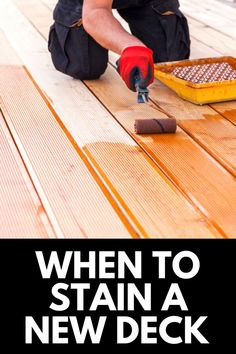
(209,129)
(38,13)
(188,165)
(68,182)
(153,203)
(226,109)
(49,3)
(214,133)
(202,50)
(21,211)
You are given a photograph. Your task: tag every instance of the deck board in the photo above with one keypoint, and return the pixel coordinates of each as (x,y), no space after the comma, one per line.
(226,109)
(21,211)
(211,7)
(211,39)
(198,12)
(178,155)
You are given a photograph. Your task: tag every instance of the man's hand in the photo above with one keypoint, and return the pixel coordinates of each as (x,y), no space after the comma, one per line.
(136,63)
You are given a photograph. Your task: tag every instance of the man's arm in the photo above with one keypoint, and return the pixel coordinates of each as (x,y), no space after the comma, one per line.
(100,23)
(136,60)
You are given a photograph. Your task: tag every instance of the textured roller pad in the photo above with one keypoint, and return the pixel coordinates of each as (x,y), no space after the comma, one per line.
(204,73)
(155,126)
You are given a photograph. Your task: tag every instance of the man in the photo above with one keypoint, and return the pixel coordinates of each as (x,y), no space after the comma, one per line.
(84,31)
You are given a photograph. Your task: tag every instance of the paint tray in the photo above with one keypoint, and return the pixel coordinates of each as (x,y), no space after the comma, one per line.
(200,81)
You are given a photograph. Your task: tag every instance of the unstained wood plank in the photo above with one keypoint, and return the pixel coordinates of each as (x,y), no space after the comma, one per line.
(216,21)
(212,7)
(212,39)
(72,190)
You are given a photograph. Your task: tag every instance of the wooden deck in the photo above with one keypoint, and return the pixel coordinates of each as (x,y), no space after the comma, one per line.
(70,162)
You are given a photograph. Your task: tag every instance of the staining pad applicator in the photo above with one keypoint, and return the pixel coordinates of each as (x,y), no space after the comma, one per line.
(155,126)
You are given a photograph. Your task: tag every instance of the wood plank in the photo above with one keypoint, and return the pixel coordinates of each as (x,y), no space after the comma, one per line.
(226,109)
(212,38)
(216,21)
(49,3)
(21,211)
(156,206)
(72,192)
(222,43)
(124,109)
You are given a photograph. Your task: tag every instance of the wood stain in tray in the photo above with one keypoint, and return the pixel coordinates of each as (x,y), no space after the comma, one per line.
(200,81)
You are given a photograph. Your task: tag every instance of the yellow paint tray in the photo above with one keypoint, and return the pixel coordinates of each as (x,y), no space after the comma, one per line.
(198,93)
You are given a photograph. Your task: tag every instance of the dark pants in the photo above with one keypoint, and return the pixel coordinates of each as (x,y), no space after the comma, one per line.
(75,53)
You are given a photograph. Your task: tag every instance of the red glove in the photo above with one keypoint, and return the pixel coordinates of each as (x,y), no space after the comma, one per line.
(136,62)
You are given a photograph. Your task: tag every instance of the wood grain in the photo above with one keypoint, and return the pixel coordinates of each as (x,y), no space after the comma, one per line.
(209,6)
(211,38)
(21,211)
(223,25)
(226,109)
(122,104)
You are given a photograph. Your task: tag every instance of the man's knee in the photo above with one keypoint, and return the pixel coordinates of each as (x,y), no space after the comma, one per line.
(83,75)
(74,52)
(91,67)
